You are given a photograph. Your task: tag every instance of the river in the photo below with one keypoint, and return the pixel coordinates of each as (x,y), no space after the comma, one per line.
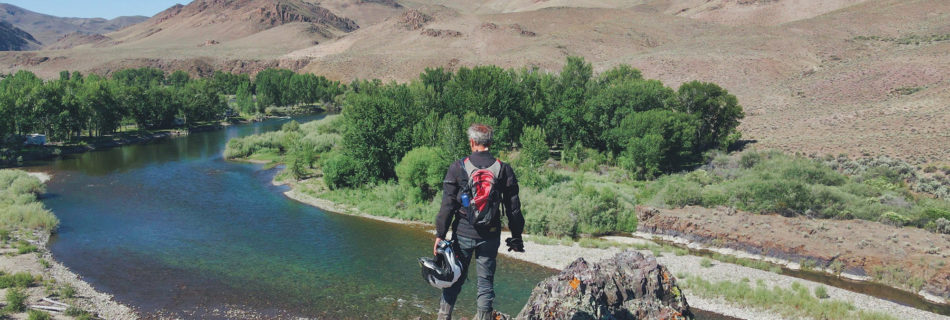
(173,229)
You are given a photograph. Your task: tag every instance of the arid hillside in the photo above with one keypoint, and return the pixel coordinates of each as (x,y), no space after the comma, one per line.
(48,29)
(814,76)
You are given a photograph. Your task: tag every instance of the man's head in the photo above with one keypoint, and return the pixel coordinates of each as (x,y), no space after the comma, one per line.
(479,137)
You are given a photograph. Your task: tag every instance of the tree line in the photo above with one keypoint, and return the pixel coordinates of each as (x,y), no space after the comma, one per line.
(639,124)
(74,104)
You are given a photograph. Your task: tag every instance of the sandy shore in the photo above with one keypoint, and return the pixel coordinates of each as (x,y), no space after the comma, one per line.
(559,256)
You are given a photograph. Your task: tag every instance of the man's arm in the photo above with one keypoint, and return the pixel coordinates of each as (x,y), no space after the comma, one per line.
(512,203)
(450,204)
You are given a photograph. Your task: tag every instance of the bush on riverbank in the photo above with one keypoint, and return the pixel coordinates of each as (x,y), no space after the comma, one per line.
(19,207)
(774,182)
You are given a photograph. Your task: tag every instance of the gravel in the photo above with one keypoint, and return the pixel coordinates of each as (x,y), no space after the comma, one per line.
(559,256)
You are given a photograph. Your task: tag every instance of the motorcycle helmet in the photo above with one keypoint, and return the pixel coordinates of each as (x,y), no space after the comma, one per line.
(443,270)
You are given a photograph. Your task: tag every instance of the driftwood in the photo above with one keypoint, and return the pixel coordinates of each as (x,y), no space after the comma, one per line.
(55,302)
(48,308)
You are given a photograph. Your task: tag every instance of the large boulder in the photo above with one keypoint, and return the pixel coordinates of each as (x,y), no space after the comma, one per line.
(629,285)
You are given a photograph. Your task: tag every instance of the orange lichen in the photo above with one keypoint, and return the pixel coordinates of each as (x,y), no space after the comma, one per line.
(575,283)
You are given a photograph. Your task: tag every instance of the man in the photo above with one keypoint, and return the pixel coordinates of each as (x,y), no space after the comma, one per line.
(477,239)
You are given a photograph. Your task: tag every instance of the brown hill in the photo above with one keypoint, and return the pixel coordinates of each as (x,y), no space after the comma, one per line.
(815,76)
(48,29)
(15,39)
(224,20)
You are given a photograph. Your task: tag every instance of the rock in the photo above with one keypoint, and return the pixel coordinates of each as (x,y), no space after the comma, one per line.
(629,285)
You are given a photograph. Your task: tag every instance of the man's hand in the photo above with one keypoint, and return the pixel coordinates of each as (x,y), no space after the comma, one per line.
(435,246)
(515,244)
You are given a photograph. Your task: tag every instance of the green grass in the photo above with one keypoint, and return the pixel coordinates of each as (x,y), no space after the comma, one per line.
(76,312)
(18,280)
(821,292)
(750,263)
(23,247)
(705,263)
(19,207)
(38,315)
(67,291)
(16,300)
(45,263)
(795,301)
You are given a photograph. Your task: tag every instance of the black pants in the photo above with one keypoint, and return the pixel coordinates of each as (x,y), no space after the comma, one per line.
(485,252)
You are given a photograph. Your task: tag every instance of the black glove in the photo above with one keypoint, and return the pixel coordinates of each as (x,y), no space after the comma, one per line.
(515,244)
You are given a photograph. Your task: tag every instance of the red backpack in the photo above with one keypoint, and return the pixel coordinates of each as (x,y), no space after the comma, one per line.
(483,207)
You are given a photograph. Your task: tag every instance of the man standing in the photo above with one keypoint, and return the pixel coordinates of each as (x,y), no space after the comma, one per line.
(474,237)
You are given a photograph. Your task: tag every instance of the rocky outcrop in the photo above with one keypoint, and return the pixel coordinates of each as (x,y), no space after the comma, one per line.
(414,20)
(629,285)
(441,33)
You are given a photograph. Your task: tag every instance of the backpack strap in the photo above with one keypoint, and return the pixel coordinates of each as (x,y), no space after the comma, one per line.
(470,168)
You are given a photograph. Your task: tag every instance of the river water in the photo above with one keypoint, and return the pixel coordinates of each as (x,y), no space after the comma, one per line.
(173,229)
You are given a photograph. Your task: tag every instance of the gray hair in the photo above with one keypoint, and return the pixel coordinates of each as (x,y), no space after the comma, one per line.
(481,134)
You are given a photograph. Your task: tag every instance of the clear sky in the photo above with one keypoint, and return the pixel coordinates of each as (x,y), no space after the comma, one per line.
(96,8)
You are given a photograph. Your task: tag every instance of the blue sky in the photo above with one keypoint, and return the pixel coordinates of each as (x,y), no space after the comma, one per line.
(96,8)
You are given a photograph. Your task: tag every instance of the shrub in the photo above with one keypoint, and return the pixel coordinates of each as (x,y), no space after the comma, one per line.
(705,263)
(67,291)
(292,126)
(821,292)
(341,171)
(38,315)
(19,208)
(76,312)
(16,300)
(4,235)
(422,170)
(894,219)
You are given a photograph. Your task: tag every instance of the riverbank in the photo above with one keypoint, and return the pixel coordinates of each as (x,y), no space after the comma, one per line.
(908,259)
(53,281)
(557,256)
(52,151)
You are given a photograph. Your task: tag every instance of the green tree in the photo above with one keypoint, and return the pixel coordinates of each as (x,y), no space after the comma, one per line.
(421,171)
(566,120)
(200,102)
(658,141)
(534,149)
(179,79)
(718,111)
(244,99)
(613,102)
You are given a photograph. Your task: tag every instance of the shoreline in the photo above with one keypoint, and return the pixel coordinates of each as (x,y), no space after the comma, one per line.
(558,256)
(42,264)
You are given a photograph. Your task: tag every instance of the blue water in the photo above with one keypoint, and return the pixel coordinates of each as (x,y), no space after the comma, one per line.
(173,229)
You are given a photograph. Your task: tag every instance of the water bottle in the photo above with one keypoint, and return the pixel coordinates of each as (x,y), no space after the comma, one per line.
(466,200)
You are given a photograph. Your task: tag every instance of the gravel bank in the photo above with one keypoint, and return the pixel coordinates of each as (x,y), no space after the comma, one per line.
(559,256)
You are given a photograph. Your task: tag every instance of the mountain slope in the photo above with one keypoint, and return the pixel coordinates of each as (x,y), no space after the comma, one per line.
(220,21)
(814,76)
(15,39)
(48,29)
